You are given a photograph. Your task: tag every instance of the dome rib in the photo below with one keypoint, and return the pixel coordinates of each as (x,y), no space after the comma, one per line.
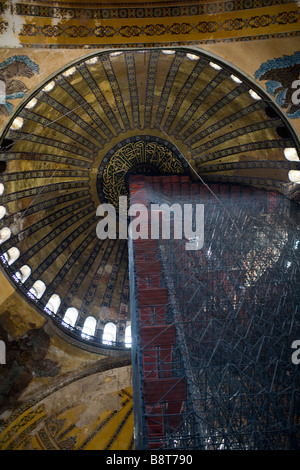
(95,122)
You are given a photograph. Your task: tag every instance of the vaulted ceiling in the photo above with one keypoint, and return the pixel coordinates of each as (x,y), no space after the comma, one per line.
(75,140)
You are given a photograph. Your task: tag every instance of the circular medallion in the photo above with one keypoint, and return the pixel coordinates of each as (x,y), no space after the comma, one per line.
(139,155)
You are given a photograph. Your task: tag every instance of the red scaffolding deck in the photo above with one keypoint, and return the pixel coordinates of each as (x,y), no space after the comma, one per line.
(163,392)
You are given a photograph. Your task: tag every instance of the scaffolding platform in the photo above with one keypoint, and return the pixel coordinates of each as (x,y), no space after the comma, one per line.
(213,328)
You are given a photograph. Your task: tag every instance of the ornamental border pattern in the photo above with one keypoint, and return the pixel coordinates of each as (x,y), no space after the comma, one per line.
(148,45)
(92,12)
(160,29)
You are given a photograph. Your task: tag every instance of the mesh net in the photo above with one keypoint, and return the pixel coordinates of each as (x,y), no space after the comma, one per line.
(231,316)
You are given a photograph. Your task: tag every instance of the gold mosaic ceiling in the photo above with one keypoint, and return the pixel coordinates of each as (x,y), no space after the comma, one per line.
(75,140)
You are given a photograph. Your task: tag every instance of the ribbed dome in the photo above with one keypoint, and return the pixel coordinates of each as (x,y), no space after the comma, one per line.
(73,143)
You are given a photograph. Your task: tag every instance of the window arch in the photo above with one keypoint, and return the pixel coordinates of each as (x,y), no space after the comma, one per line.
(128,338)
(37,290)
(89,327)
(254,95)
(11,255)
(53,303)
(5,234)
(70,316)
(2,212)
(31,104)
(23,274)
(1,189)
(49,86)
(291,154)
(17,123)
(294,176)
(109,333)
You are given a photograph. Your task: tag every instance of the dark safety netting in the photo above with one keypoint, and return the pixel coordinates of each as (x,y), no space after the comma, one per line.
(214,327)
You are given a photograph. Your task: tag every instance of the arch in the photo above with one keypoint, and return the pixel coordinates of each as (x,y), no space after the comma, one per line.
(2,212)
(11,255)
(23,274)
(291,154)
(53,303)
(5,234)
(31,104)
(69,72)
(109,333)
(37,290)
(49,86)
(89,327)
(254,95)
(70,316)
(17,123)
(294,176)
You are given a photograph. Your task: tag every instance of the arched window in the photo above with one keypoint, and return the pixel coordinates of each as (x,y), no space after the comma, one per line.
(70,316)
(91,61)
(291,154)
(31,104)
(294,176)
(17,123)
(192,56)
(5,233)
(235,79)
(1,189)
(49,86)
(168,51)
(215,66)
(53,303)
(89,327)
(23,274)
(12,255)
(109,333)
(254,95)
(128,339)
(69,72)
(2,211)
(37,290)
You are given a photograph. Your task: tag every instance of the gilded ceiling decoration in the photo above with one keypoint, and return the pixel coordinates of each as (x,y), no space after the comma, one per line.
(141,155)
(36,426)
(72,145)
(95,24)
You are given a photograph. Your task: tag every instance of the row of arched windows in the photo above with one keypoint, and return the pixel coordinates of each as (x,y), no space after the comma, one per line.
(109,336)
(70,317)
(39,287)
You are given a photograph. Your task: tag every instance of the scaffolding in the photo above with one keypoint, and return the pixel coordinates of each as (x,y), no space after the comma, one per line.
(213,328)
